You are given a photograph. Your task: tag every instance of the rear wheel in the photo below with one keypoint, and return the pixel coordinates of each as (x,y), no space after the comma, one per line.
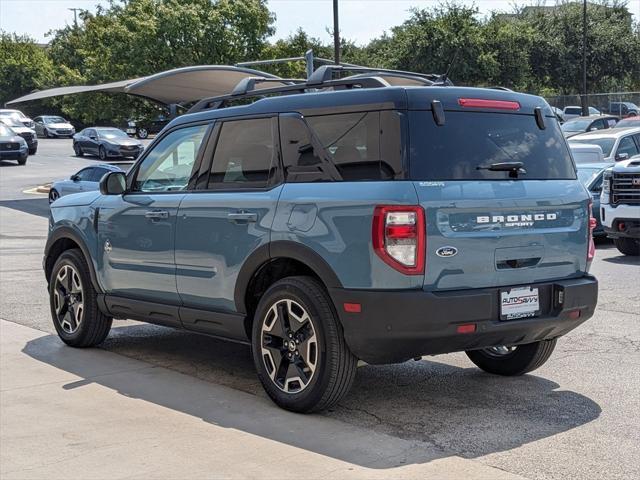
(513,360)
(299,350)
(628,246)
(74,308)
(142,133)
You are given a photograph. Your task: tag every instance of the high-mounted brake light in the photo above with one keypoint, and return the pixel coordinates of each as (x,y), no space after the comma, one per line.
(399,237)
(591,252)
(485,103)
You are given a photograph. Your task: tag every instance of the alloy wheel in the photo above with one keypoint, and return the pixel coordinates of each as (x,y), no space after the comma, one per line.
(289,346)
(53,196)
(68,299)
(499,350)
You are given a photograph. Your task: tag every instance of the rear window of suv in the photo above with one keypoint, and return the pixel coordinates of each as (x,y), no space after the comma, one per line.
(469,141)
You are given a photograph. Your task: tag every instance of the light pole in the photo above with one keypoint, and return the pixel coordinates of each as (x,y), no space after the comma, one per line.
(75,16)
(585,99)
(336,34)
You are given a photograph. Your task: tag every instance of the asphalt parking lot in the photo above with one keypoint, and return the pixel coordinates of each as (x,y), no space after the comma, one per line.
(576,417)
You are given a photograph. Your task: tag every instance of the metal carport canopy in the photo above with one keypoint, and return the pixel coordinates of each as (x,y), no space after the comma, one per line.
(178,86)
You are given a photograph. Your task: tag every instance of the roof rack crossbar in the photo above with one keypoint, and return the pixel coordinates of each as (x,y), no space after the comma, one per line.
(325,73)
(220,101)
(249,83)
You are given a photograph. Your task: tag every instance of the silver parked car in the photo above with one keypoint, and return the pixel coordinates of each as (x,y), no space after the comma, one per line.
(12,145)
(617,144)
(52,126)
(17,115)
(85,180)
(27,133)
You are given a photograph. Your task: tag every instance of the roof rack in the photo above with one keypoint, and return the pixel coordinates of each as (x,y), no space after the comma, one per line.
(322,78)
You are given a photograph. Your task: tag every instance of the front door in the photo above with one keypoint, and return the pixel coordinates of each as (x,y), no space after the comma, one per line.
(136,230)
(219,227)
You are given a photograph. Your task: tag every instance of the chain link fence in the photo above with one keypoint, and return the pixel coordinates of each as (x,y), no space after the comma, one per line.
(611,102)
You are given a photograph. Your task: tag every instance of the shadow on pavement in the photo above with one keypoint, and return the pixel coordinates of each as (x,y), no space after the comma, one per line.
(445,410)
(33,206)
(623,260)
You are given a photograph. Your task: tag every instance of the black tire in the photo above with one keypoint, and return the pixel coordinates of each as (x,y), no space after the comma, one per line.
(53,195)
(335,365)
(47,134)
(77,149)
(23,160)
(33,151)
(93,326)
(522,359)
(628,246)
(102,153)
(142,133)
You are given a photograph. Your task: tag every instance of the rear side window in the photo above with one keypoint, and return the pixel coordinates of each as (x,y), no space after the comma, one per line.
(245,155)
(343,147)
(469,141)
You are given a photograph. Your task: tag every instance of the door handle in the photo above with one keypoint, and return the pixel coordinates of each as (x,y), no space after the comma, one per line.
(156,214)
(242,217)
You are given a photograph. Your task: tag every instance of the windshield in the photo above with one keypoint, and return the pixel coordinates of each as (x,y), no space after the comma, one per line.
(12,122)
(112,133)
(585,175)
(54,120)
(573,110)
(470,142)
(5,131)
(576,126)
(606,144)
(13,115)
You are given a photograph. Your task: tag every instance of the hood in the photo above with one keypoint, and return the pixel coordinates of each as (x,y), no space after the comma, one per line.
(628,166)
(77,199)
(59,125)
(571,134)
(13,138)
(23,130)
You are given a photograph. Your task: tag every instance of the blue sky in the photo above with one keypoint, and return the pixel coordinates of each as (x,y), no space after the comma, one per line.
(360,20)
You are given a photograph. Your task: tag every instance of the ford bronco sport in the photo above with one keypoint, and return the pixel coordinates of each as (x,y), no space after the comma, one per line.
(338,220)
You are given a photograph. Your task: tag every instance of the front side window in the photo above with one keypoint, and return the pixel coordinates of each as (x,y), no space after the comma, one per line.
(98,173)
(167,167)
(85,174)
(628,146)
(245,155)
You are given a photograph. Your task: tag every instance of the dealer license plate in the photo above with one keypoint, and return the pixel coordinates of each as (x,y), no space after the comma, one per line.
(131,131)
(521,302)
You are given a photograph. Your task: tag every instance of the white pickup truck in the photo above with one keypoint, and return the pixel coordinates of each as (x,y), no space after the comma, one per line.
(620,205)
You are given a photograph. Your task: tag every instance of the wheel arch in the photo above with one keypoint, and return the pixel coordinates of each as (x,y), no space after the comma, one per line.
(272,262)
(60,240)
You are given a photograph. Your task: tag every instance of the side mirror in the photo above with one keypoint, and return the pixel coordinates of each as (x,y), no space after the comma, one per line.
(113,183)
(93,137)
(74,177)
(622,156)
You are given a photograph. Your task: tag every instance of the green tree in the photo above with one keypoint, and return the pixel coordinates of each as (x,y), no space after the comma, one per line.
(24,66)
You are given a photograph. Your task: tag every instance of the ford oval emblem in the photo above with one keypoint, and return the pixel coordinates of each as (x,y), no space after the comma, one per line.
(445,252)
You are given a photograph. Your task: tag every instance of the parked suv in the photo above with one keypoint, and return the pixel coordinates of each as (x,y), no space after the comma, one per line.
(328,227)
(620,205)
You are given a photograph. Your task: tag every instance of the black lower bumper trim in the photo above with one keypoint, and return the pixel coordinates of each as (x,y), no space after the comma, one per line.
(394,326)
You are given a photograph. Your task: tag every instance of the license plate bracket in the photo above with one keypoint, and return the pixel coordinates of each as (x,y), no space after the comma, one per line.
(519,302)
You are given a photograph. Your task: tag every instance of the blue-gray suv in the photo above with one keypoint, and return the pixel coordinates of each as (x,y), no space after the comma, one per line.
(338,220)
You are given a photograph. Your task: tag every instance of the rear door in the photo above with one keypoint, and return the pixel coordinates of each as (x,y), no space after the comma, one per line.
(494,228)
(227,219)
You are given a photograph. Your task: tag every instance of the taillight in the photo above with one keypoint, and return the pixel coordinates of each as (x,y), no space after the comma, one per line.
(591,252)
(399,237)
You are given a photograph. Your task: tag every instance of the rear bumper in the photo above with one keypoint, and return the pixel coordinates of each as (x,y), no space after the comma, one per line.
(395,326)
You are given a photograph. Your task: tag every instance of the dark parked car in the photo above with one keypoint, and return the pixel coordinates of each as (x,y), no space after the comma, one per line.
(27,133)
(591,175)
(624,109)
(12,145)
(588,124)
(143,128)
(85,180)
(106,142)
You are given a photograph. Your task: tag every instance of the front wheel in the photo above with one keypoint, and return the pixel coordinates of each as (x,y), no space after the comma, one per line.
(33,151)
(53,195)
(77,149)
(298,346)
(73,301)
(142,133)
(628,246)
(102,153)
(514,360)
(23,160)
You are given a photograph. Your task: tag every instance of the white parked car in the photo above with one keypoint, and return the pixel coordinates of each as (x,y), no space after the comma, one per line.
(620,205)
(52,126)
(617,144)
(573,111)
(586,153)
(17,115)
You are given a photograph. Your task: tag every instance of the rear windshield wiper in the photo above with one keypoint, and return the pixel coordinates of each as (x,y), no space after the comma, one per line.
(514,168)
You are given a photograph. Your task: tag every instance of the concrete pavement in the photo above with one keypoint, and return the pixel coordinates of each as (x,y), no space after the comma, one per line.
(68,413)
